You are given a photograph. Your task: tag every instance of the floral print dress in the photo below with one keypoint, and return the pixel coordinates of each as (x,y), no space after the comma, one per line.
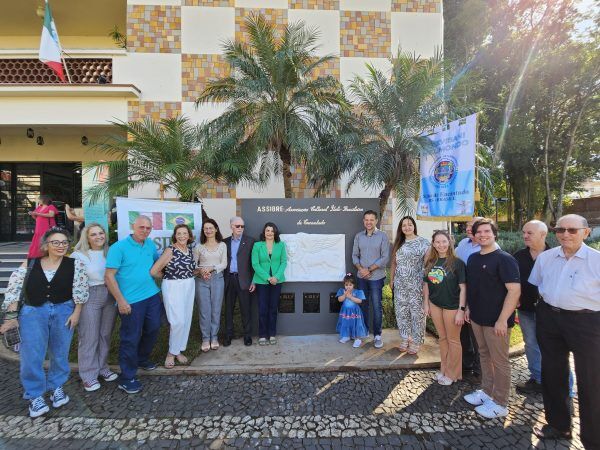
(408,289)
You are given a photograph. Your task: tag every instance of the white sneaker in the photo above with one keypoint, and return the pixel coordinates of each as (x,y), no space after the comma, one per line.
(477,398)
(377,342)
(445,381)
(490,410)
(438,375)
(344,340)
(357,343)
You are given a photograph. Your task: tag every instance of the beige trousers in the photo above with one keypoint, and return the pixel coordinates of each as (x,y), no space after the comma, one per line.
(495,365)
(449,341)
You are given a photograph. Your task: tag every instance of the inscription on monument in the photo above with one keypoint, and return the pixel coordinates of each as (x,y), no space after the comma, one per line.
(311,302)
(287,302)
(334,305)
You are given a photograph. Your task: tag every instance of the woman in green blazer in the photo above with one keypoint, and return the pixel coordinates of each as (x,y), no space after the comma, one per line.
(269,259)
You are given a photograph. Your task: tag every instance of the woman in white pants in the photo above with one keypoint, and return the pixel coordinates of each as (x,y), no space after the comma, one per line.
(176,267)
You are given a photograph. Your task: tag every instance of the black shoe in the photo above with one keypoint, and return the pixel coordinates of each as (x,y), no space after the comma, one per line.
(549,432)
(227,342)
(529,387)
(470,376)
(147,366)
(247,341)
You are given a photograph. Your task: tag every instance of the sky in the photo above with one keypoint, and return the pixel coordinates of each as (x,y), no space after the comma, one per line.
(586,6)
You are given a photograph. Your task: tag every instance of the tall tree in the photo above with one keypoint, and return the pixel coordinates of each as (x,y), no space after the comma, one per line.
(278,107)
(394,111)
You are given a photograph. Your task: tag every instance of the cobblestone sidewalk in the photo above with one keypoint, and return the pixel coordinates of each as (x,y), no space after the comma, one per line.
(373,409)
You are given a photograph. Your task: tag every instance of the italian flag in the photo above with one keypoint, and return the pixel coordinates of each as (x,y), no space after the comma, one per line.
(50,50)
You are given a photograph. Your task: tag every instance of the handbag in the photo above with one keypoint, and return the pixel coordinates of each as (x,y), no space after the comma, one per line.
(12,338)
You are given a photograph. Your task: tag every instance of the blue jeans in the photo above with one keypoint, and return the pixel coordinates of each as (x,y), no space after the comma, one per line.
(527,322)
(372,290)
(43,330)
(139,331)
(268,303)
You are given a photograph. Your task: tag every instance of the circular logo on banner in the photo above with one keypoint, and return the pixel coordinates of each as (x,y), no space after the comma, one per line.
(444,170)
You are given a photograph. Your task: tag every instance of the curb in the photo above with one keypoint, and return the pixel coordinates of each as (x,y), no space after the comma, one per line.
(516,350)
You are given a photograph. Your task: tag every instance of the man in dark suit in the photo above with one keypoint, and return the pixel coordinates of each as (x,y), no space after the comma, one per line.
(238,279)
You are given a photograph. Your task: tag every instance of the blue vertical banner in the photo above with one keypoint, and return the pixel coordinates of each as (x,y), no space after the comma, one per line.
(448,173)
(94,212)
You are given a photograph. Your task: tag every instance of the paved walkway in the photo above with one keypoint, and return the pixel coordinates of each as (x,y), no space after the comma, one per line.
(315,353)
(366,409)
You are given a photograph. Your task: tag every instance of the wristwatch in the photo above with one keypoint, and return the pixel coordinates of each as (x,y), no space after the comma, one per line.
(462,308)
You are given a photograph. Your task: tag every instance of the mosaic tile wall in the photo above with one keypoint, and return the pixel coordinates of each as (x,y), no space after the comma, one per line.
(153,29)
(185,37)
(425,6)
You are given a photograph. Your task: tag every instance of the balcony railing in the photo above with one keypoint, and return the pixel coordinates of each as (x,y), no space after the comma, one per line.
(33,71)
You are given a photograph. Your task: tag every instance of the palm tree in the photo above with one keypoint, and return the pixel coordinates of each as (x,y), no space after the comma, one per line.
(164,153)
(393,114)
(278,107)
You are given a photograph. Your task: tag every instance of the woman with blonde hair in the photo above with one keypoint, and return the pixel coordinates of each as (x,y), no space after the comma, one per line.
(445,297)
(98,314)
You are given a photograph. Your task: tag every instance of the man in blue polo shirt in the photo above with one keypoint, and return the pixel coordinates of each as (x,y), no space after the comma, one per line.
(128,279)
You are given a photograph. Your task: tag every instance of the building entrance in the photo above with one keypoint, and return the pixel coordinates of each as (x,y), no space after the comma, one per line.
(20,186)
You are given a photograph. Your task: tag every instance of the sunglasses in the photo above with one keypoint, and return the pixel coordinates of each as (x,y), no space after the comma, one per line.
(239,226)
(561,230)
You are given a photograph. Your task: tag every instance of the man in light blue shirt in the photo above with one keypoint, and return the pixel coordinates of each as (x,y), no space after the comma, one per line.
(128,279)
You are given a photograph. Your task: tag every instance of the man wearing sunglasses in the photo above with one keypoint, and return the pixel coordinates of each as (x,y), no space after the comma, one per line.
(238,279)
(568,320)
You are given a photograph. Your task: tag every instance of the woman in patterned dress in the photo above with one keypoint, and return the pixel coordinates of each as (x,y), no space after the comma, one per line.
(406,275)
(176,266)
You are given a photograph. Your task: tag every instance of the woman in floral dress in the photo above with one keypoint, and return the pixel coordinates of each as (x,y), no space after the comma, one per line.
(406,275)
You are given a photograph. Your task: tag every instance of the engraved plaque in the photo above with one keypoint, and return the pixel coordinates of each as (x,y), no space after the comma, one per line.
(334,305)
(287,302)
(311,302)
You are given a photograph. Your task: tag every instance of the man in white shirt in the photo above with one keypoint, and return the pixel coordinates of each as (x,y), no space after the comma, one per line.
(568,320)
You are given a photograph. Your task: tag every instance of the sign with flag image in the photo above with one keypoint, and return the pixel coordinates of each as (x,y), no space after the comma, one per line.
(448,173)
(165,215)
(50,50)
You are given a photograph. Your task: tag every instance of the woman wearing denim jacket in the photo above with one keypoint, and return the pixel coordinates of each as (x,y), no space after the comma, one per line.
(54,292)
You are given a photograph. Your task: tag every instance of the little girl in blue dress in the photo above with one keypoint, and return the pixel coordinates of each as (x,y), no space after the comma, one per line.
(351,324)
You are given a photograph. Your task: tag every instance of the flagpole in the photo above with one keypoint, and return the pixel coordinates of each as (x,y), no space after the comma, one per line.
(66,68)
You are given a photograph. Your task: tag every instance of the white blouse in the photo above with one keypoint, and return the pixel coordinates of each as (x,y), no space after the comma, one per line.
(217,259)
(95,265)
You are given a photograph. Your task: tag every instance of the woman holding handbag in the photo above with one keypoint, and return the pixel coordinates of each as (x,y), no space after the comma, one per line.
(51,290)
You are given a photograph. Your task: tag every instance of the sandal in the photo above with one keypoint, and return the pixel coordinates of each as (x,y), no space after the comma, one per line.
(169,361)
(413,349)
(403,345)
(181,359)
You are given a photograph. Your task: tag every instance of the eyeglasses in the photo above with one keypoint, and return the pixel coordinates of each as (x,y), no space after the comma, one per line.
(561,230)
(239,226)
(59,243)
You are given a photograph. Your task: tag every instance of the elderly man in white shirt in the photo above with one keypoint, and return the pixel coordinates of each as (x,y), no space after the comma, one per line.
(568,320)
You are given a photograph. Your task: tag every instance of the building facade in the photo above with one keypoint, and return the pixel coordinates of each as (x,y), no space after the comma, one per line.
(173,48)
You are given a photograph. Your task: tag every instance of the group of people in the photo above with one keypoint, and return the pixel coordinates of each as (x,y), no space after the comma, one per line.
(51,294)
(470,293)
